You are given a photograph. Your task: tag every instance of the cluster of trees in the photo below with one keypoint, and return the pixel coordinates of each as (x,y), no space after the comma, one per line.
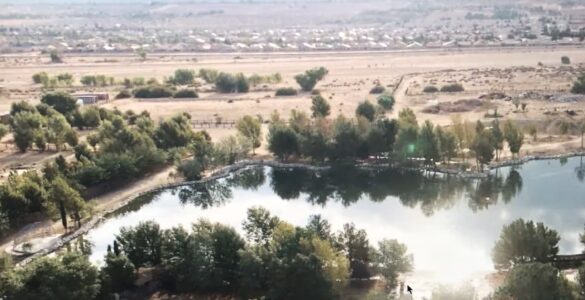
(274,259)
(449,88)
(206,154)
(48,122)
(124,146)
(64,79)
(97,80)
(526,249)
(371,134)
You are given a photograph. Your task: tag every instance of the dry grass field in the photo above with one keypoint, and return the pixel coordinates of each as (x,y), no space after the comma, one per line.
(513,71)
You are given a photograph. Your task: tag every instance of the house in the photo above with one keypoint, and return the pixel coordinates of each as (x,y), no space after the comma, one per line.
(92,98)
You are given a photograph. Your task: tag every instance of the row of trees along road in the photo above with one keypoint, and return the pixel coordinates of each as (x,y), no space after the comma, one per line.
(273,260)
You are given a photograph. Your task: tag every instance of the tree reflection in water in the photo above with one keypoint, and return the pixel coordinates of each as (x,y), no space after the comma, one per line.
(580,170)
(348,184)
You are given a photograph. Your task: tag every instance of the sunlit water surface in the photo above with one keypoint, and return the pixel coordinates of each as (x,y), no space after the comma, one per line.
(449,224)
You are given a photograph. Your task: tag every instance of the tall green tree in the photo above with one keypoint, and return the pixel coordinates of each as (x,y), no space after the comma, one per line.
(283,141)
(391,259)
(428,143)
(250,128)
(523,242)
(514,137)
(320,107)
(142,243)
(497,138)
(60,101)
(26,127)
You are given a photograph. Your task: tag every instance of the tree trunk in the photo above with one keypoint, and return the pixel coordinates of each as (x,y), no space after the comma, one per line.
(63,214)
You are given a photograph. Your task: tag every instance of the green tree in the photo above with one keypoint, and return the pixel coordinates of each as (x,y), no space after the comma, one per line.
(55,57)
(428,143)
(209,75)
(483,147)
(391,259)
(366,110)
(66,200)
(534,281)
(260,225)
(174,132)
(381,137)
(355,243)
(497,138)
(320,107)
(250,128)
(346,139)
(142,243)
(60,101)
(57,130)
(67,277)
(447,143)
(283,141)
(118,273)
(524,242)
(514,137)
(26,127)
(310,78)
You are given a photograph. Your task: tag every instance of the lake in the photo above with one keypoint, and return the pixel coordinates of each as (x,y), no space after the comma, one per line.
(449,224)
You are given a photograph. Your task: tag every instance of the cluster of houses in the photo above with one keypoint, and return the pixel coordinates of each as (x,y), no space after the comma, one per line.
(446,32)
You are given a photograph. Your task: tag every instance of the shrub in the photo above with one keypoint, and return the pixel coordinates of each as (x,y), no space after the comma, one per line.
(186,93)
(430,89)
(287,91)
(228,83)
(153,92)
(182,77)
(386,101)
(378,89)
(209,75)
(579,85)
(41,77)
(123,94)
(565,60)
(452,88)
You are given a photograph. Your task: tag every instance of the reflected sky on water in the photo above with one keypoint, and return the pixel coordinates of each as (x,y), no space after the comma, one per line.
(449,224)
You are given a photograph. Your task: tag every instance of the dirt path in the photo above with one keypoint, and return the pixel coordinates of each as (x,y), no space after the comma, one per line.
(99,204)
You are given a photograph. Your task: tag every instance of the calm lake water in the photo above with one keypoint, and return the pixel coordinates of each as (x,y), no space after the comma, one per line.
(449,224)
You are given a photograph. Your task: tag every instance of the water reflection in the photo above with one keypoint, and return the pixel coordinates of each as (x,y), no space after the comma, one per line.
(449,223)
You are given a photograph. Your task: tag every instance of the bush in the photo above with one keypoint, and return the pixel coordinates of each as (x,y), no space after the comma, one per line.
(123,94)
(579,85)
(153,92)
(565,60)
(228,83)
(287,91)
(185,93)
(41,77)
(452,88)
(378,89)
(430,89)
(182,77)
(386,101)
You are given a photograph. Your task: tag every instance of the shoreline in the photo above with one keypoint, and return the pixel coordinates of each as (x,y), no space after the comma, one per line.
(225,171)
